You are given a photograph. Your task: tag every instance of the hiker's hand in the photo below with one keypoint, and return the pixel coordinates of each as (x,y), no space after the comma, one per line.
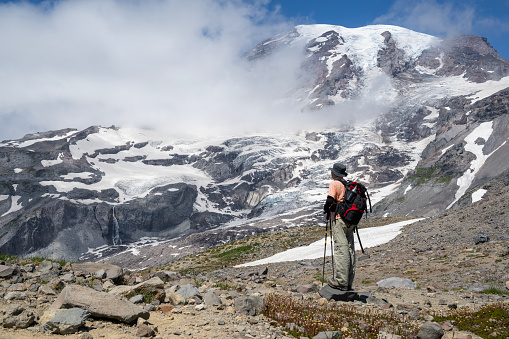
(328,204)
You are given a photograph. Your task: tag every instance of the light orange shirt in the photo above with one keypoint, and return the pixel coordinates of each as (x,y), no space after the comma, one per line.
(337,190)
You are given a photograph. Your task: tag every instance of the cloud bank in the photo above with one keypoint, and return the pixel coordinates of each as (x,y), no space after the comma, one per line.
(169,64)
(439,18)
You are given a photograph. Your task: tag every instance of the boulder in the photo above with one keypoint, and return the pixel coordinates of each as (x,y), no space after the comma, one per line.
(7,271)
(145,331)
(15,296)
(430,330)
(211,299)
(175,298)
(249,305)
(17,316)
(395,282)
(100,304)
(108,271)
(188,291)
(66,322)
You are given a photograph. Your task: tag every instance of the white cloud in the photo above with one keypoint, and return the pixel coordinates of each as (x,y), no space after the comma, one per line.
(176,65)
(431,16)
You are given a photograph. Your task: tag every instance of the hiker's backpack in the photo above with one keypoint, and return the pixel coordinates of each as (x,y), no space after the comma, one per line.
(355,202)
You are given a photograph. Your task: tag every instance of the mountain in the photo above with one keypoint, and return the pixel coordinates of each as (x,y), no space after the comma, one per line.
(422,121)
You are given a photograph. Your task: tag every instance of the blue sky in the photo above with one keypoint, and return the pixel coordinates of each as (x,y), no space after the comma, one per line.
(171,64)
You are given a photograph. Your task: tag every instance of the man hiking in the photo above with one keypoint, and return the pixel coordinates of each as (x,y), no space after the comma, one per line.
(344,251)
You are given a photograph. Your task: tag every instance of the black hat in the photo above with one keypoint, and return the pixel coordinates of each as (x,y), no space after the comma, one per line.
(339,169)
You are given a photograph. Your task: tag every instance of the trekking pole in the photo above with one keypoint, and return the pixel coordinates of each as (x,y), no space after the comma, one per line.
(332,247)
(358,237)
(324,251)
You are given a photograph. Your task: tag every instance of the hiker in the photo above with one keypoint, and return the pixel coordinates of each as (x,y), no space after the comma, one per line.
(344,251)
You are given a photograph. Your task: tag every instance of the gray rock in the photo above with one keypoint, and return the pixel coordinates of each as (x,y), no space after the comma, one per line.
(430,330)
(137,299)
(167,275)
(328,335)
(188,291)
(212,299)
(101,274)
(45,267)
(145,331)
(67,322)
(18,316)
(29,268)
(7,271)
(100,304)
(395,282)
(249,305)
(15,296)
(481,239)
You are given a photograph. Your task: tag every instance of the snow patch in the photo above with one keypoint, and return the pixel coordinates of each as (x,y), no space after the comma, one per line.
(483,131)
(477,195)
(15,205)
(58,160)
(370,237)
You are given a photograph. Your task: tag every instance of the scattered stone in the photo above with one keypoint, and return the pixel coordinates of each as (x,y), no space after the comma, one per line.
(113,272)
(66,322)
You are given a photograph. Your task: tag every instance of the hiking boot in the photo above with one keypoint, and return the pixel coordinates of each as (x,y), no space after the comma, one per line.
(334,284)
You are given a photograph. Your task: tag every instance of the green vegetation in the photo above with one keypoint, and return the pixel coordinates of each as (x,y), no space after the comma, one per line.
(147,294)
(236,252)
(30,260)
(225,286)
(494,290)
(491,321)
(423,175)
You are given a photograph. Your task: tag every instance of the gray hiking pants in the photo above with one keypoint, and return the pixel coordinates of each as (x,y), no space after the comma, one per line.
(344,254)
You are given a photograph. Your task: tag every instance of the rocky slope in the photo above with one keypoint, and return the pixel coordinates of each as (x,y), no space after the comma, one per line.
(450,258)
